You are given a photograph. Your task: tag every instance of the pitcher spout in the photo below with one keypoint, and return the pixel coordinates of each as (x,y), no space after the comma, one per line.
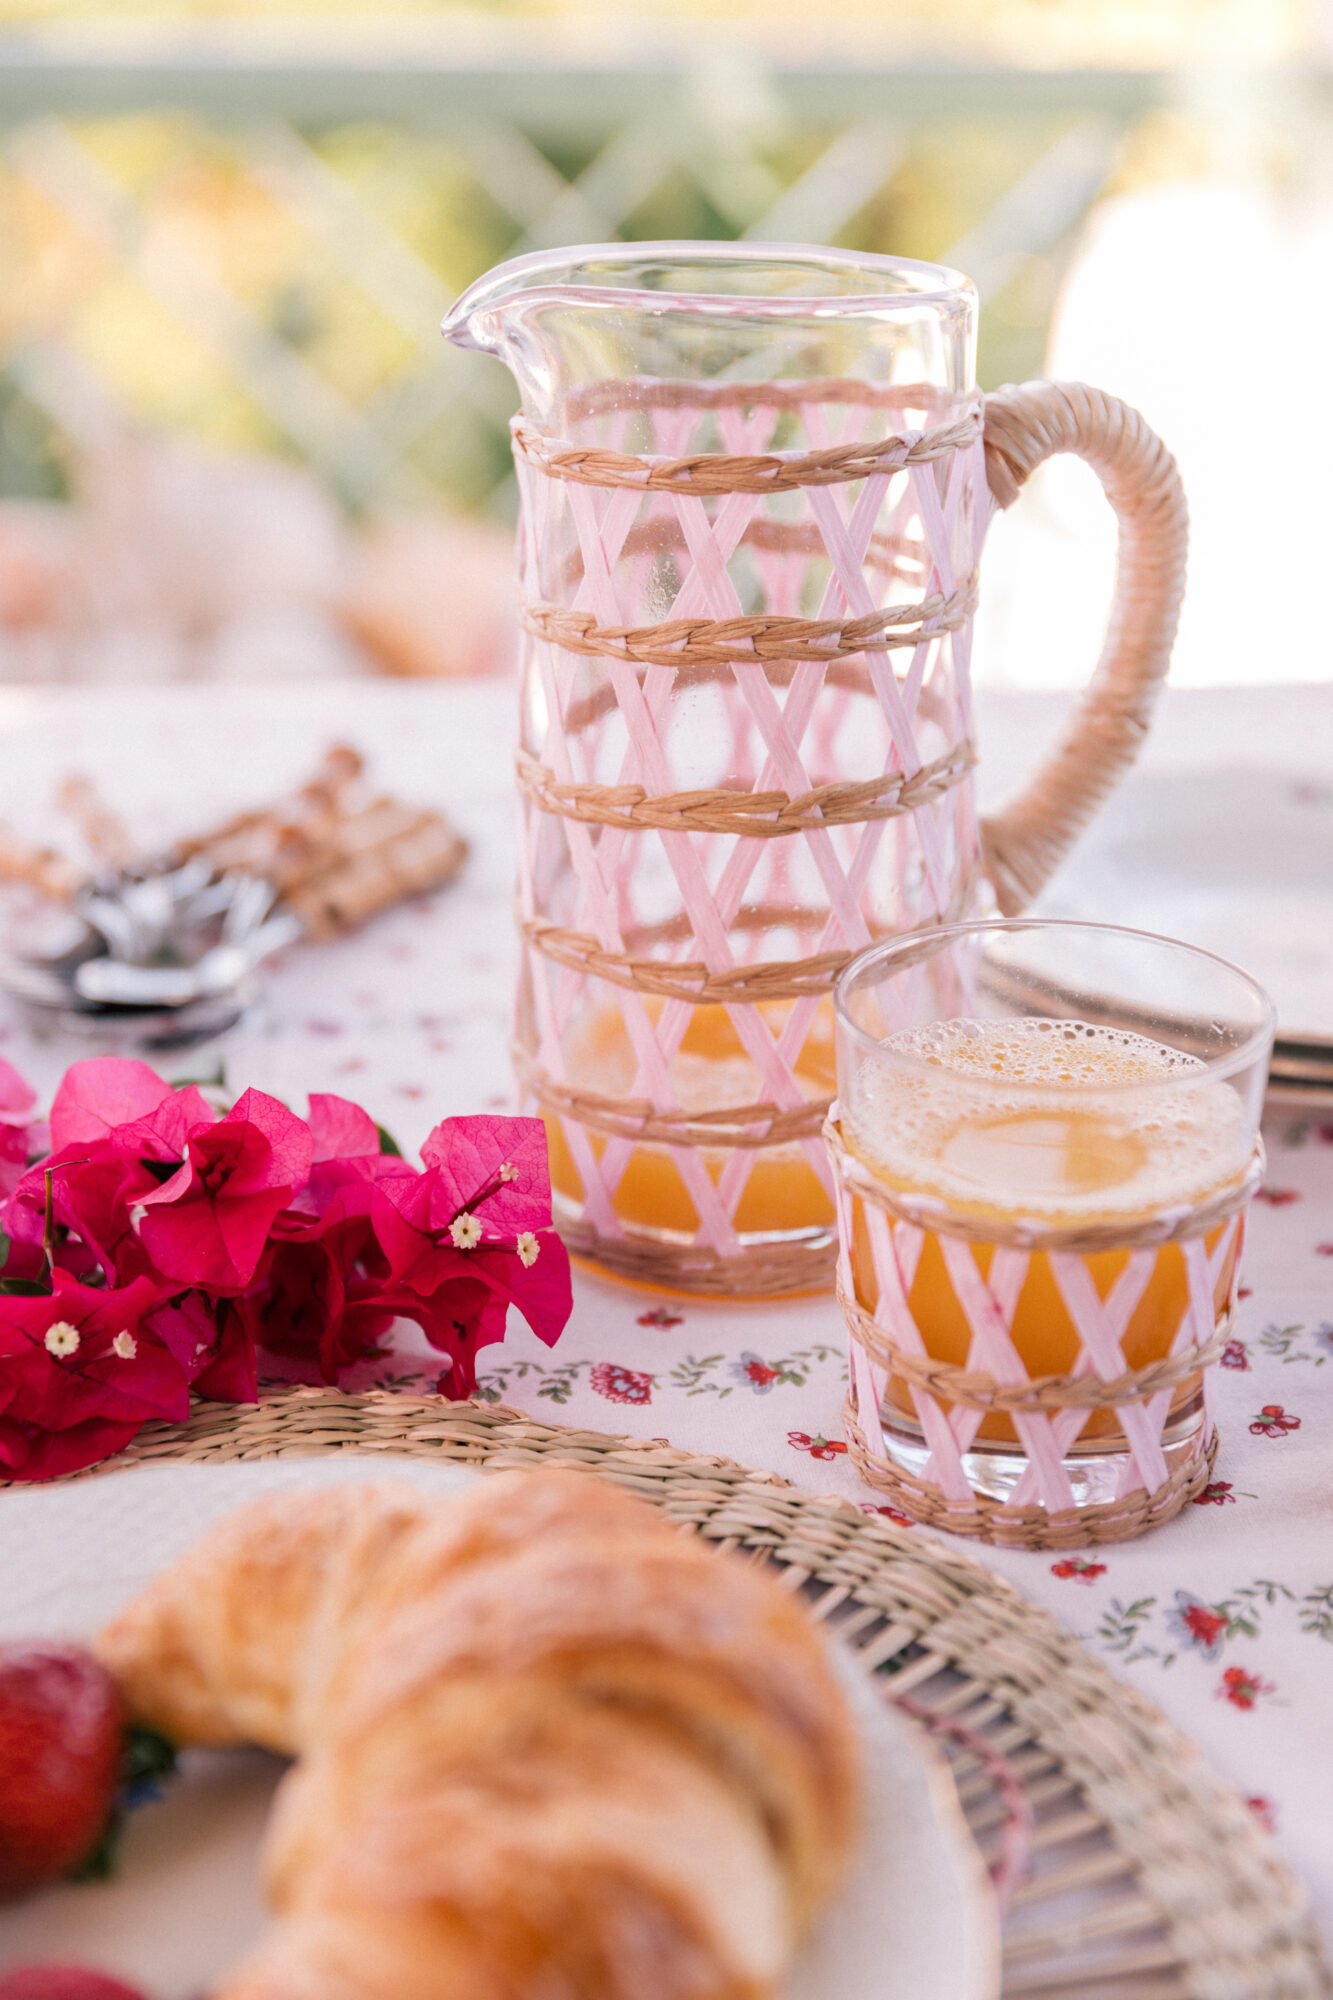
(568,321)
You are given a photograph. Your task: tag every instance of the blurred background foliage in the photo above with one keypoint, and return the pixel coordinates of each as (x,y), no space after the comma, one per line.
(242,221)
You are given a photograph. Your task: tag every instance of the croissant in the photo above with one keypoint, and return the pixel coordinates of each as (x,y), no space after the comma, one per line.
(548,1748)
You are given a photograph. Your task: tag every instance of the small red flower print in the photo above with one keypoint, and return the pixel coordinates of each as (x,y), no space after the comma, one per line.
(1324,1134)
(1245,1291)
(1243,1689)
(1077,1570)
(1265,1812)
(753,1372)
(818,1447)
(621,1385)
(660,1316)
(890,1514)
(1217,1493)
(1279,1197)
(1273,1421)
(1197,1624)
(1323,1249)
(1236,1355)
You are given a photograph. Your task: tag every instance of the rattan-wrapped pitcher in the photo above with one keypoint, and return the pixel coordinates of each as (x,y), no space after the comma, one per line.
(755,482)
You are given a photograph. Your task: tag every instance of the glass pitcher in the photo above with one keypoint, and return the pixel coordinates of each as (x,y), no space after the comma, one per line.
(754,483)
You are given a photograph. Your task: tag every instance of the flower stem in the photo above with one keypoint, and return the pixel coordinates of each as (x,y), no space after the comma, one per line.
(49,1223)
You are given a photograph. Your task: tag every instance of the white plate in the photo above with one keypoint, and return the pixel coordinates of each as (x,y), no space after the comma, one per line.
(1237,860)
(915,1921)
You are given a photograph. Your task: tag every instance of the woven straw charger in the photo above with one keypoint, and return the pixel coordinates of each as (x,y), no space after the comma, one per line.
(1127,1870)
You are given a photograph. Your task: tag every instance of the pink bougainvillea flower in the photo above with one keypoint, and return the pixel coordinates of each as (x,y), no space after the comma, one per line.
(207,1225)
(495,1168)
(341,1130)
(112,1097)
(95,1186)
(466,1307)
(348,1149)
(17,1095)
(19,1137)
(96,1096)
(80,1372)
(315,1295)
(14,1150)
(210,1344)
(471,1236)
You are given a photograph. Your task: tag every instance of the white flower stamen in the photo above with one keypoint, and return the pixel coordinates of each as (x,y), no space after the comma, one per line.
(465,1232)
(529,1249)
(137,1214)
(125,1345)
(508,1172)
(61,1339)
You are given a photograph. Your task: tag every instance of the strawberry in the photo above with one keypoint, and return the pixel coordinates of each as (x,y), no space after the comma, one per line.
(61,1725)
(62,1982)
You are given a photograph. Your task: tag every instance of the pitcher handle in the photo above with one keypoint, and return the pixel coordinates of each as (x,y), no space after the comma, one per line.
(1024,843)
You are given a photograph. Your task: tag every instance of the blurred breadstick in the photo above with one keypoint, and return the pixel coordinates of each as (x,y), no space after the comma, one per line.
(422,852)
(274,840)
(39,868)
(104,831)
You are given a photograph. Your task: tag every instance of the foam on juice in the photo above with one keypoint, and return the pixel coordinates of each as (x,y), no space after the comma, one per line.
(1035,1118)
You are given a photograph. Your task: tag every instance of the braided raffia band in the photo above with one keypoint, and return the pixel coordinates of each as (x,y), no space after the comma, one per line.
(710,642)
(755,815)
(1168,1225)
(745,1125)
(754,472)
(1043,1393)
(1007,1526)
(690,979)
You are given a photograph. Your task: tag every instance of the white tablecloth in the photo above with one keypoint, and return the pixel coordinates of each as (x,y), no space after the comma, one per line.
(1225,1616)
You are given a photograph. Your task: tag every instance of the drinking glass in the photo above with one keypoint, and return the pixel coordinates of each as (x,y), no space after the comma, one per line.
(1044,1143)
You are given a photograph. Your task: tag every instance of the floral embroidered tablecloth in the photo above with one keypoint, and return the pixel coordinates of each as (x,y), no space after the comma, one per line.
(1225,1617)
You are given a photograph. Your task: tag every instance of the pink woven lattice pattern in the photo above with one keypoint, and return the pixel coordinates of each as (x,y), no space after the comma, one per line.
(746,740)
(988,1306)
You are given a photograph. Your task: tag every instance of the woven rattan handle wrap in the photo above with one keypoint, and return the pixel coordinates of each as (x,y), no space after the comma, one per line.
(1023,844)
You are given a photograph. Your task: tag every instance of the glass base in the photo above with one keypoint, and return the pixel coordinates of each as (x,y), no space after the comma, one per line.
(1094,1466)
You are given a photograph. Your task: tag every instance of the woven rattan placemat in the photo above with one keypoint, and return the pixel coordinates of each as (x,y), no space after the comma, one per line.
(1142,1877)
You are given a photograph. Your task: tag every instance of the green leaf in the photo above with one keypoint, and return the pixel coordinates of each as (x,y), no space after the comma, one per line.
(388,1144)
(23,1288)
(217,1081)
(146,1760)
(4,1249)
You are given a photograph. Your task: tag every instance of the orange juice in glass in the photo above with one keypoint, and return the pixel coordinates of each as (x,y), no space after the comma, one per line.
(1046,1136)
